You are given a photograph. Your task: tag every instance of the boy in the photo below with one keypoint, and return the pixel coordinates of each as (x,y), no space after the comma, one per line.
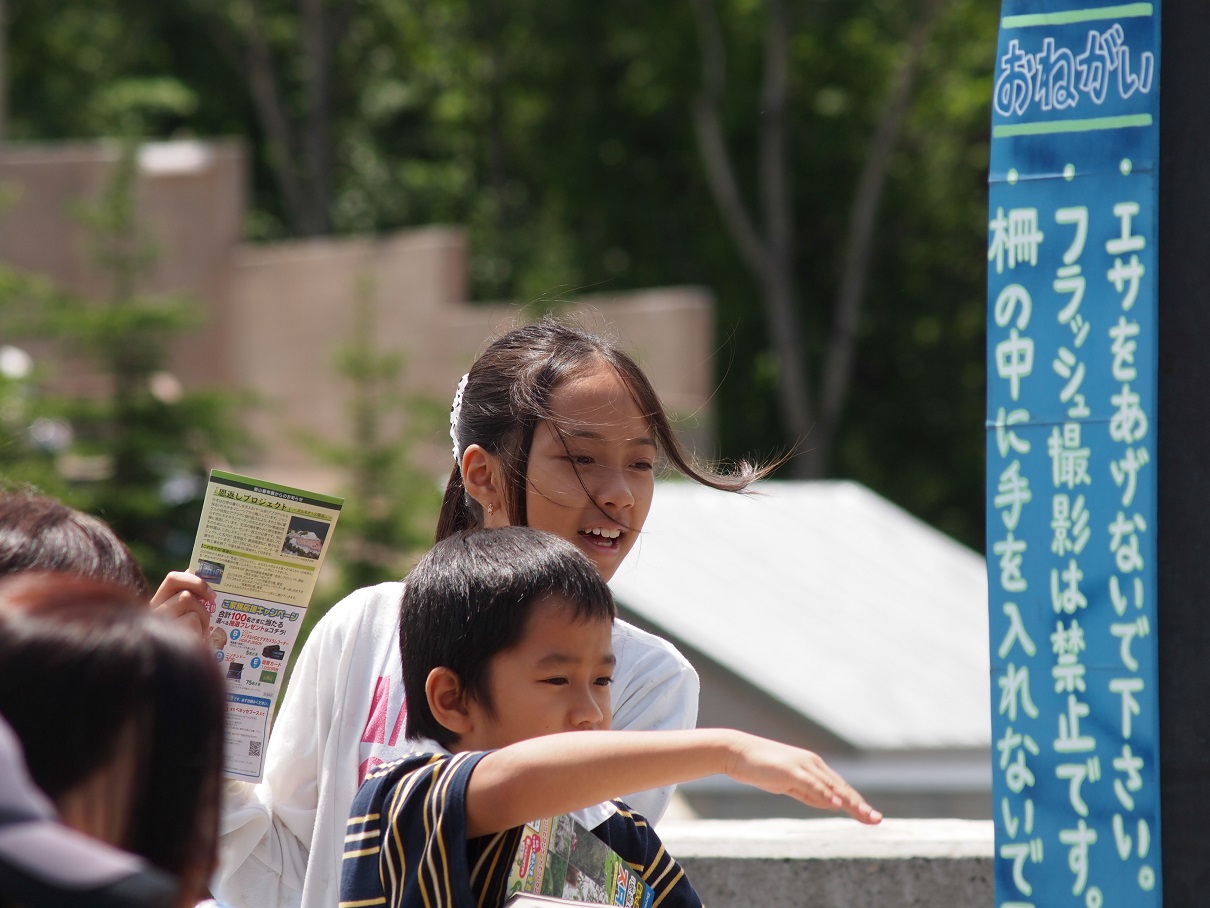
(506,643)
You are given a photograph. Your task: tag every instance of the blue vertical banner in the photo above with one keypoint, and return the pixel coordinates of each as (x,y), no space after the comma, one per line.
(1071,478)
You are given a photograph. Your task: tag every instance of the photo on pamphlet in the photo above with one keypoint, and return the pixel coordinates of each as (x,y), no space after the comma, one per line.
(305,538)
(210,571)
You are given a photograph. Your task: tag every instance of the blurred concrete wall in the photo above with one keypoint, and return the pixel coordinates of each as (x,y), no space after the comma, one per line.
(277,314)
(191,202)
(836,863)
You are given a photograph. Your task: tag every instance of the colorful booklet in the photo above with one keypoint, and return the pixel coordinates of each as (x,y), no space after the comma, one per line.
(560,859)
(260,547)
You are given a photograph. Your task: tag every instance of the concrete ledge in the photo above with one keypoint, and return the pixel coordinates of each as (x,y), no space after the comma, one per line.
(835,863)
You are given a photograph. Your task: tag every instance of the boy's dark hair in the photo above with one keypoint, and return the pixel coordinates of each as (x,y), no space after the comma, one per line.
(508,392)
(38,533)
(470,597)
(89,661)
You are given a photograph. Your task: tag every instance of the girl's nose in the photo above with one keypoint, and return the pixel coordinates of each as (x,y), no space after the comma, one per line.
(616,491)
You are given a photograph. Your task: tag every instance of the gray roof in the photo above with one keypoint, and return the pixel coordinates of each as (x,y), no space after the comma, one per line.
(828,598)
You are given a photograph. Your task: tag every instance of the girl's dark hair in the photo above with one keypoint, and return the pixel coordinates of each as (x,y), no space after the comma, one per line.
(508,393)
(470,597)
(41,534)
(85,666)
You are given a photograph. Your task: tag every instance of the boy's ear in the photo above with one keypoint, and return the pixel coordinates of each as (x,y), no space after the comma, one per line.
(483,479)
(447,700)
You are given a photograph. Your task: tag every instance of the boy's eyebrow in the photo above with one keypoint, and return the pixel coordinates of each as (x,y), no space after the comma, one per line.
(592,435)
(567,658)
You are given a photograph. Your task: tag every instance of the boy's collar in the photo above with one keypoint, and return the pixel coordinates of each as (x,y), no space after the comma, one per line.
(429,746)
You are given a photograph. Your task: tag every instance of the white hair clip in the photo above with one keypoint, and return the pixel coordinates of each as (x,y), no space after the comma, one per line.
(455,412)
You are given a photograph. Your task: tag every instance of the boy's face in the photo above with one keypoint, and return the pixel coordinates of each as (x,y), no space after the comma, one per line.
(556,679)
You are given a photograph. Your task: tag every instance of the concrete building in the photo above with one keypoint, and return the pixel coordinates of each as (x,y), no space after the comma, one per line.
(275,315)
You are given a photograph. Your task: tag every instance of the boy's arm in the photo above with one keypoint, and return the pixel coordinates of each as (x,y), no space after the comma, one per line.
(546,776)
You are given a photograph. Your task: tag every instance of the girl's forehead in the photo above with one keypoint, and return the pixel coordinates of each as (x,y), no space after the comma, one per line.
(593,397)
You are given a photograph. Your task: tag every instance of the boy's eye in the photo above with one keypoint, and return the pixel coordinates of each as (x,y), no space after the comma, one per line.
(604,681)
(556,681)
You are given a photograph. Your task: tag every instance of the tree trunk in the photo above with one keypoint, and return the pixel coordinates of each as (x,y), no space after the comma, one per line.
(769,256)
(301,151)
(271,111)
(781,300)
(317,142)
(859,241)
(3,70)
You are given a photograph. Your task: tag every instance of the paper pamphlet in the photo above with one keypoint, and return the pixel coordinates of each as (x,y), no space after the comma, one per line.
(260,547)
(561,860)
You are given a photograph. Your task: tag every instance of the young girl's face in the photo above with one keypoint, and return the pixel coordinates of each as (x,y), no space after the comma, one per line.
(591,469)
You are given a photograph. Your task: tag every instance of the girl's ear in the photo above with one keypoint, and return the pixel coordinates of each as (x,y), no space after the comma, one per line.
(483,479)
(447,700)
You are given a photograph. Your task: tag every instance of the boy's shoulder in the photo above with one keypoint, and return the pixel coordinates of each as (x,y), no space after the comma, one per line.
(407,809)
(418,771)
(402,766)
(386,775)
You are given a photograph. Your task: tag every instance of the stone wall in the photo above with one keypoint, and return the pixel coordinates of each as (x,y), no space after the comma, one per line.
(276,315)
(836,863)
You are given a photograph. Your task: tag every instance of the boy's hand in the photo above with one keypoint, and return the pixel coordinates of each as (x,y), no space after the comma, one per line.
(183,597)
(796,773)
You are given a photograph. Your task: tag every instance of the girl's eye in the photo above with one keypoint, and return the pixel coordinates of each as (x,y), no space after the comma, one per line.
(604,681)
(643,465)
(558,682)
(582,460)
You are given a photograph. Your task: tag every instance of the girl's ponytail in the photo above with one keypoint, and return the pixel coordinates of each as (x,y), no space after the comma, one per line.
(455,513)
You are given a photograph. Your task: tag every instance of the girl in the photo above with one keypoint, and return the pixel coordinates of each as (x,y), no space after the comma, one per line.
(552,428)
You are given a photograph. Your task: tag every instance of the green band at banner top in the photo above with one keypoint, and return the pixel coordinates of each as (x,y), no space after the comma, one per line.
(1055,127)
(1070,17)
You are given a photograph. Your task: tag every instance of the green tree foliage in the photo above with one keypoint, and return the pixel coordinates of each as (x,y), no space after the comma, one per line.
(31,429)
(562,135)
(391,505)
(137,453)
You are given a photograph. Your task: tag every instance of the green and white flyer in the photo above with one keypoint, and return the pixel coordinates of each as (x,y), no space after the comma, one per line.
(260,547)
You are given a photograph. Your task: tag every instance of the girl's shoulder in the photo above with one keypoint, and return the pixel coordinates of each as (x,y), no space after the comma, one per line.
(370,610)
(634,645)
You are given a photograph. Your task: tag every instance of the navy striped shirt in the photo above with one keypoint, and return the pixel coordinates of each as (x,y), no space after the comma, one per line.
(406,844)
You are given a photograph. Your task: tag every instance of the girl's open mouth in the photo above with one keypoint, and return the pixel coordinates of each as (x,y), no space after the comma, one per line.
(602,537)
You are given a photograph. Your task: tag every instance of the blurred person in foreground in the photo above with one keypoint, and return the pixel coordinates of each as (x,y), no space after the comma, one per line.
(45,864)
(120,716)
(39,533)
